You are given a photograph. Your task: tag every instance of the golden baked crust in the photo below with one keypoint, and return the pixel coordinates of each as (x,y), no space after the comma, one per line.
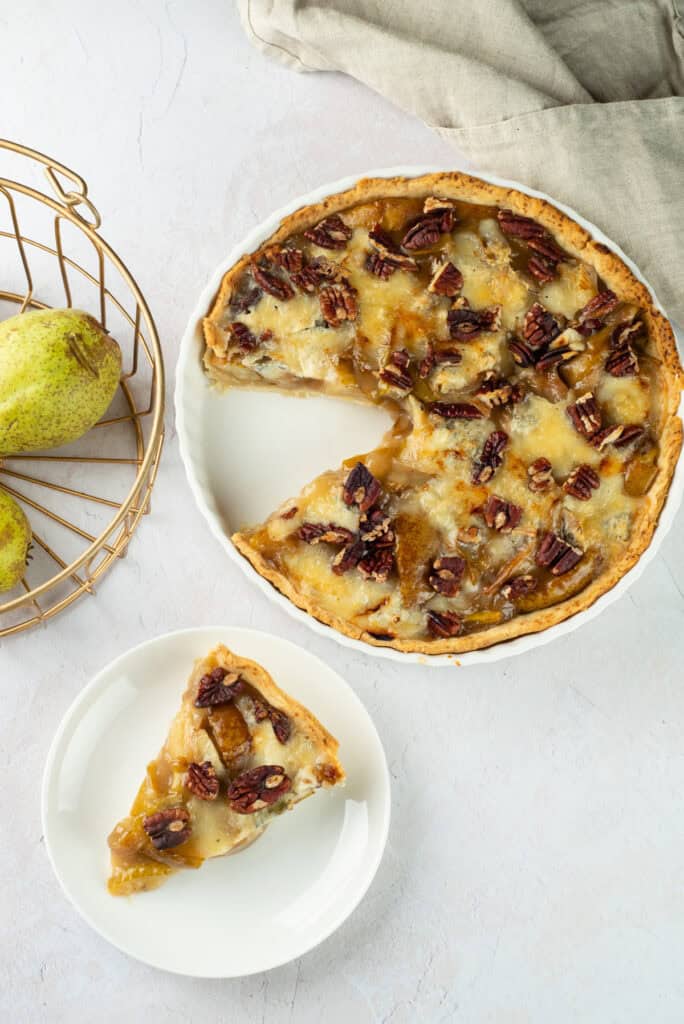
(216,741)
(665,374)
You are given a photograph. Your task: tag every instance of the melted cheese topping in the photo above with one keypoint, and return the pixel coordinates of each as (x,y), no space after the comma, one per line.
(539,427)
(625,399)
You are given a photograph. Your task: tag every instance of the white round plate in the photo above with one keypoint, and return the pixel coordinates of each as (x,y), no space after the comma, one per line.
(236,915)
(247,451)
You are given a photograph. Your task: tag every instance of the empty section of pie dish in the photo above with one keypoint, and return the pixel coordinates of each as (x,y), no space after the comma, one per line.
(278,444)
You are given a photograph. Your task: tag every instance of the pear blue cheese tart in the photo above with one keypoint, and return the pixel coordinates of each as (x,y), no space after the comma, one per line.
(534,387)
(239,752)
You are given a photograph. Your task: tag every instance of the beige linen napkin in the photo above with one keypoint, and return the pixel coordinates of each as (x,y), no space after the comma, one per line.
(580,98)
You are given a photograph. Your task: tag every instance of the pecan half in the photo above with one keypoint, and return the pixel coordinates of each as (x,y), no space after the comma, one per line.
(539,475)
(456,410)
(241,336)
(543,264)
(607,435)
(557,555)
(444,624)
(547,248)
(395,372)
(619,435)
(491,458)
(546,255)
(168,828)
(291,260)
(630,432)
(438,218)
(349,556)
(338,302)
(541,268)
(375,527)
(330,233)
(502,516)
(518,226)
(269,282)
(581,482)
(626,332)
(202,780)
(565,346)
(539,327)
(423,234)
(622,362)
(361,488)
(595,310)
(518,586)
(585,415)
(217,687)
(451,356)
(377,563)
(308,279)
(258,788)
(446,280)
(388,250)
(446,574)
(522,353)
(465,324)
(282,727)
(378,266)
(497,391)
(442,208)
(327,533)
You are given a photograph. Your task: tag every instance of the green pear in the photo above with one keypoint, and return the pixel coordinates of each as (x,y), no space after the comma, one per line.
(58,373)
(15,537)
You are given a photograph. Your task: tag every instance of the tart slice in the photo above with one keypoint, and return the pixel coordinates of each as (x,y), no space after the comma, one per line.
(238,753)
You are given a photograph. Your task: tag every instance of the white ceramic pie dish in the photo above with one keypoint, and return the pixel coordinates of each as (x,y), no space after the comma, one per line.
(237,915)
(246,451)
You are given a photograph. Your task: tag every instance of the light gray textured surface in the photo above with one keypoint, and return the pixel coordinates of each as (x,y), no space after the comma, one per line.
(535,869)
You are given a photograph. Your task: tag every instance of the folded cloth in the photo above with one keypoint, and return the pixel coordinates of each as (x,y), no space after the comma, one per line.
(583,99)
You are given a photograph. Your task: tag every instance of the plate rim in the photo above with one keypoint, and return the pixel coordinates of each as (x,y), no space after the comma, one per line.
(68,718)
(488,655)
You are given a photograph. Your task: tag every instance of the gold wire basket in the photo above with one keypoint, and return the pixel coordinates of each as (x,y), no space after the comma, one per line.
(84,500)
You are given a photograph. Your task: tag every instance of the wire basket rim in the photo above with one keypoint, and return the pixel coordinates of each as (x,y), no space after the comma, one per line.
(147,465)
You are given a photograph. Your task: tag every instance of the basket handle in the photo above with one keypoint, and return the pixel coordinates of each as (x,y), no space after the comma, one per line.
(72,198)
